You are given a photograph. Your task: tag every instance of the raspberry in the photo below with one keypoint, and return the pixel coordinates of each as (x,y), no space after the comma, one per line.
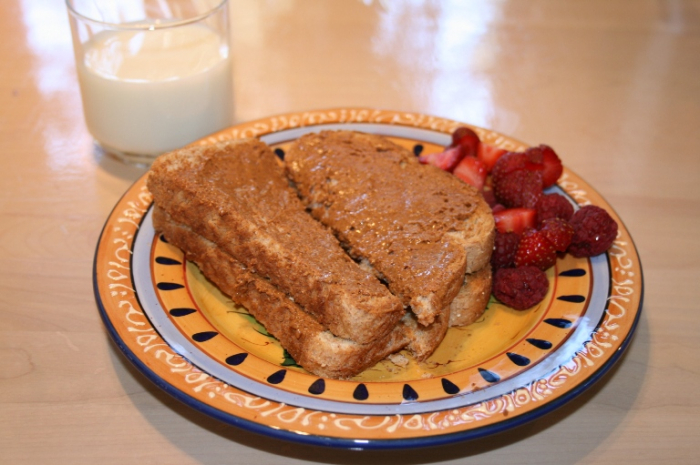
(505,246)
(535,250)
(520,188)
(594,231)
(559,232)
(509,162)
(553,206)
(520,288)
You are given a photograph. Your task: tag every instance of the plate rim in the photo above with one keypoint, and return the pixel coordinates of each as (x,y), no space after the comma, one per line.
(316,439)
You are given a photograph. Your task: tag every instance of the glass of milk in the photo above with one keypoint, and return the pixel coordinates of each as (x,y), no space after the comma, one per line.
(154,75)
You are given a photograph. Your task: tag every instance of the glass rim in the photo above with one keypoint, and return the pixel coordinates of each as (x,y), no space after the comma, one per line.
(143,25)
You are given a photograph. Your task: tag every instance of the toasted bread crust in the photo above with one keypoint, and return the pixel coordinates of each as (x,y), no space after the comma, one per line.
(472,299)
(478,237)
(235,195)
(309,343)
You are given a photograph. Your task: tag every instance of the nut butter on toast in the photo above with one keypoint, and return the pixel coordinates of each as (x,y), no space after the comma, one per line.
(421,229)
(235,195)
(310,344)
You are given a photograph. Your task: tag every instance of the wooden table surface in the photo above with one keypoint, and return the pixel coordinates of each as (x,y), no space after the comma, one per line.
(613,85)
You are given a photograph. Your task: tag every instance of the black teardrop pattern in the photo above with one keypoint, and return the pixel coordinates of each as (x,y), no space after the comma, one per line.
(169,286)
(561,323)
(417,149)
(518,359)
(318,387)
(540,343)
(409,393)
(574,299)
(180,312)
(277,377)
(280,153)
(489,376)
(449,387)
(236,359)
(360,392)
(573,273)
(204,336)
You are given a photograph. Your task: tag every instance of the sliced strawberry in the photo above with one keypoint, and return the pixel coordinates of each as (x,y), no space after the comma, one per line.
(534,154)
(489,154)
(467,140)
(472,171)
(446,160)
(535,250)
(559,232)
(552,166)
(515,220)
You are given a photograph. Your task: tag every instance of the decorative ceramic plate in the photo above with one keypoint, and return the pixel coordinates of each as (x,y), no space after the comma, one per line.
(507,368)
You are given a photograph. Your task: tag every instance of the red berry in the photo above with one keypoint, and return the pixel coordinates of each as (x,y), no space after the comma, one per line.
(520,288)
(509,162)
(520,188)
(541,158)
(472,171)
(467,140)
(594,231)
(514,219)
(553,206)
(445,160)
(489,197)
(489,155)
(559,232)
(535,155)
(547,161)
(505,246)
(535,250)
(553,167)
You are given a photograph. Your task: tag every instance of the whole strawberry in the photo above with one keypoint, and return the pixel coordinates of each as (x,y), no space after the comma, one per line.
(559,232)
(535,249)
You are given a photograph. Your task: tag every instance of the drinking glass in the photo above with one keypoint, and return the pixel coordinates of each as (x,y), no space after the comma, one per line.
(154,75)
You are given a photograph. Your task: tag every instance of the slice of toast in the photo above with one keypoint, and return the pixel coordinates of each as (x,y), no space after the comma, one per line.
(235,195)
(420,228)
(309,343)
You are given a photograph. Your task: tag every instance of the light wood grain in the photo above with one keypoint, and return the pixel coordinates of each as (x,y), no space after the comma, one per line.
(612,85)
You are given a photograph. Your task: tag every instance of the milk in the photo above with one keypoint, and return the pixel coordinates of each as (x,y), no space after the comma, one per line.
(148,92)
